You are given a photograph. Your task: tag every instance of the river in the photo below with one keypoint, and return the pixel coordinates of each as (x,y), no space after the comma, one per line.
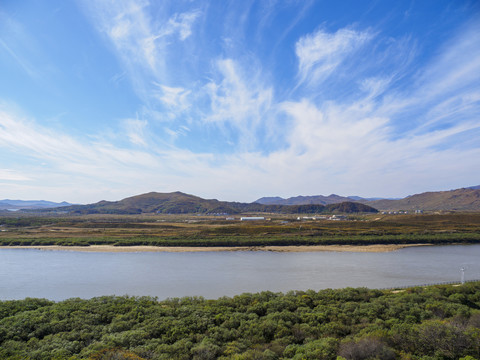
(59,275)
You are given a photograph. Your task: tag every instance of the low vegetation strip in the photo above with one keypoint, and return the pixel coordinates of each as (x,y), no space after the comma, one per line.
(436,322)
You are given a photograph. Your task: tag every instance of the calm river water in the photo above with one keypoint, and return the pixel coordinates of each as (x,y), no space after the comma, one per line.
(59,275)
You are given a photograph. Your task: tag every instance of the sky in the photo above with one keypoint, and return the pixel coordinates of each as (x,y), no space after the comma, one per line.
(235,100)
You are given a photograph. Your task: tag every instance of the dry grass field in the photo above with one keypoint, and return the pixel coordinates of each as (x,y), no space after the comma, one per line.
(192,230)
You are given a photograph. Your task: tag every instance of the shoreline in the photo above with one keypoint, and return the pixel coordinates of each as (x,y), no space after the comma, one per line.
(145,248)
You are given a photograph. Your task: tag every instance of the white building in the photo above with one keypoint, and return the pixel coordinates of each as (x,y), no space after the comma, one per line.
(250,218)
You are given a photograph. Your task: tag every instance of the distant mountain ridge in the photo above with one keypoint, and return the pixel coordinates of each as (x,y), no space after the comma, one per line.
(314,199)
(8,204)
(180,203)
(303,200)
(464,199)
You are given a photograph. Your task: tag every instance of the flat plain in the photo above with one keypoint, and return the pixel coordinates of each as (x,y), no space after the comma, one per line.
(284,231)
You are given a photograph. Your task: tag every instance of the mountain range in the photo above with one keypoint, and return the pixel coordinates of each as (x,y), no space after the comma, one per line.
(315,199)
(8,204)
(464,199)
(180,203)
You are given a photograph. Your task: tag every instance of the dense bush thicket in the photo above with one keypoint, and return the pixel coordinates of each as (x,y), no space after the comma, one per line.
(437,322)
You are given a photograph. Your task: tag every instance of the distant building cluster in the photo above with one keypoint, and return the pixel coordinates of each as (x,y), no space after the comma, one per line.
(401,212)
(332,217)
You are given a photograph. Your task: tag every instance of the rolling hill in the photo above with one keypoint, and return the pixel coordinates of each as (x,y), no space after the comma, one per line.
(8,204)
(465,199)
(314,199)
(304,200)
(180,203)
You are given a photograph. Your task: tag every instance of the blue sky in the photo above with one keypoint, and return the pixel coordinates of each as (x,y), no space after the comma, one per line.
(238,99)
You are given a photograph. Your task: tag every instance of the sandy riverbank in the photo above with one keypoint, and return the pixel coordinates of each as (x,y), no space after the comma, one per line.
(110,248)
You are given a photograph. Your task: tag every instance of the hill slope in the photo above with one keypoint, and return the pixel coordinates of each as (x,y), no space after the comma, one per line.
(460,199)
(180,203)
(174,203)
(304,200)
(465,199)
(8,204)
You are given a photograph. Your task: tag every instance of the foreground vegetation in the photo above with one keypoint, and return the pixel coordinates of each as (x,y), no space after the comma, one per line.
(437,322)
(191,230)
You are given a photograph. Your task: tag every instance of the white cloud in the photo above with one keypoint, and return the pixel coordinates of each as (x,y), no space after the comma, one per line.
(331,149)
(82,170)
(349,145)
(175,98)
(135,130)
(457,68)
(443,94)
(139,39)
(127,26)
(181,24)
(64,152)
(321,53)
(240,103)
(12,175)
(338,142)
(325,137)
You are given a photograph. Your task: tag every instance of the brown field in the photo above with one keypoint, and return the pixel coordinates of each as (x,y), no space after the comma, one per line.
(192,230)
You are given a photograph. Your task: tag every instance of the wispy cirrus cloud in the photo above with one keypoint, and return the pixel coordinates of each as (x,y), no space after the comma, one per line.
(457,68)
(27,136)
(442,94)
(12,175)
(18,44)
(225,109)
(360,138)
(140,39)
(127,25)
(321,53)
(90,164)
(136,131)
(174,98)
(180,24)
(319,135)
(240,103)
(23,63)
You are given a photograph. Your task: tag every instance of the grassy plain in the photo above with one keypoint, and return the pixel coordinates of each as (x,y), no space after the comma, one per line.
(214,231)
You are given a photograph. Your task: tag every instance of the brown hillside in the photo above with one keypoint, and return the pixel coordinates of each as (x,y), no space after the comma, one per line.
(304,200)
(180,203)
(460,200)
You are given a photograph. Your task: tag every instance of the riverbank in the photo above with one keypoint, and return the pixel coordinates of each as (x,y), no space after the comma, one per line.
(302,248)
